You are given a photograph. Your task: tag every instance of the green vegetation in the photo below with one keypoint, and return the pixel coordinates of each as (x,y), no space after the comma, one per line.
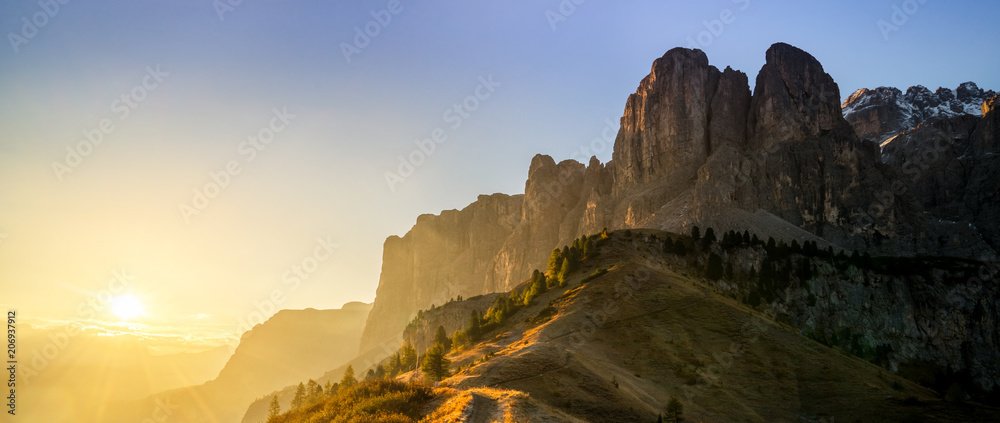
(407,356)
(538,284)
(675,410)
(300,397)
(709,239)
(597,273)
(435,366)
(273,410)
(374,401)
(474,330)
(715,270)
(441,338)
(348,380)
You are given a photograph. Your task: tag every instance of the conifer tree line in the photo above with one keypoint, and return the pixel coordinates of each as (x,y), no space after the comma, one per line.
(433,362)
(311,392)
(783,265)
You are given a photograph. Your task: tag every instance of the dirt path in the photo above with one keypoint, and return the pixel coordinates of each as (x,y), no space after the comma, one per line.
(484,409)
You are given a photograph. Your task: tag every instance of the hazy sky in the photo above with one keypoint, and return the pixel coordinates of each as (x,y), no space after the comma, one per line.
(181,86)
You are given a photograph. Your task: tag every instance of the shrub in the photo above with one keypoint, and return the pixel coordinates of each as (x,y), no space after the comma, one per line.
(377,401)
(597,273)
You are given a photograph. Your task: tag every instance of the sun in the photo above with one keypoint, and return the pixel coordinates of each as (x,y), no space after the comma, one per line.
(127,307)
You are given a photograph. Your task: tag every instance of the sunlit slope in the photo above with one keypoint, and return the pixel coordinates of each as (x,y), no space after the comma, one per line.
(621,345)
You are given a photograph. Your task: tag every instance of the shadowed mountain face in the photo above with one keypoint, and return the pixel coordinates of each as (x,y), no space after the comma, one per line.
(618,346)
(291,346)
(696,147)
(642,320)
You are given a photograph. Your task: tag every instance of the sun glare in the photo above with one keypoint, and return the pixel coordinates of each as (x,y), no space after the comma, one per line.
(127,307)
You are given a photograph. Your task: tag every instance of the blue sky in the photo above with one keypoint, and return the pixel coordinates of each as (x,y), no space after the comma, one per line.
(560,80)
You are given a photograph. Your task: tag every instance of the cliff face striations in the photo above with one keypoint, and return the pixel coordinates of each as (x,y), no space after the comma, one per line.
(697,147)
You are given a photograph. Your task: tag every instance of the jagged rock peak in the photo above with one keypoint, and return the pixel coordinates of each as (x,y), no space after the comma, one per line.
(990,104)
(794,99)
(665,127)
(881,113)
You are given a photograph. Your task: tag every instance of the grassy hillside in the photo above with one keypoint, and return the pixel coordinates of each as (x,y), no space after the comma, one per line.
(622,344)
(632,324)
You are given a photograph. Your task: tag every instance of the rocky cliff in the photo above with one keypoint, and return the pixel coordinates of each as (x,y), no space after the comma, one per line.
(696,147)
(881,113)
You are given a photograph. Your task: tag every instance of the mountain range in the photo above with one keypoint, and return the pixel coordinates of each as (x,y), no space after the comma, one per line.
(696,147)
(894,194)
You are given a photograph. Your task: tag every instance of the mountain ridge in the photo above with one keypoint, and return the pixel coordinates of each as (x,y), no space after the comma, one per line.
(645,318)
(784,158)
(882,112)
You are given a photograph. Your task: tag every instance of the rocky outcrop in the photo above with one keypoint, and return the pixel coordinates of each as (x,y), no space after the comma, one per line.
(794,100)
(881,113)
(696,147)
(451,316)
(982,187)
(489,246)
(441,258)
(903,312)
(665,129)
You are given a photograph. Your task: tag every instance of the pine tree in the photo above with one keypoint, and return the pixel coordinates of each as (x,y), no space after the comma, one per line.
(441,337)
(537,288)
(273,410)
(314,392)
(566,268)
(589,249)
(408,356)
(746,237)
(474,327)
(674,410)
(348,380)
(709,238)
(459,340)
(300,397)
(715,269)
(680,248)
(805,269)
(395,366)
(435,366)
(328,389)
(555,262)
